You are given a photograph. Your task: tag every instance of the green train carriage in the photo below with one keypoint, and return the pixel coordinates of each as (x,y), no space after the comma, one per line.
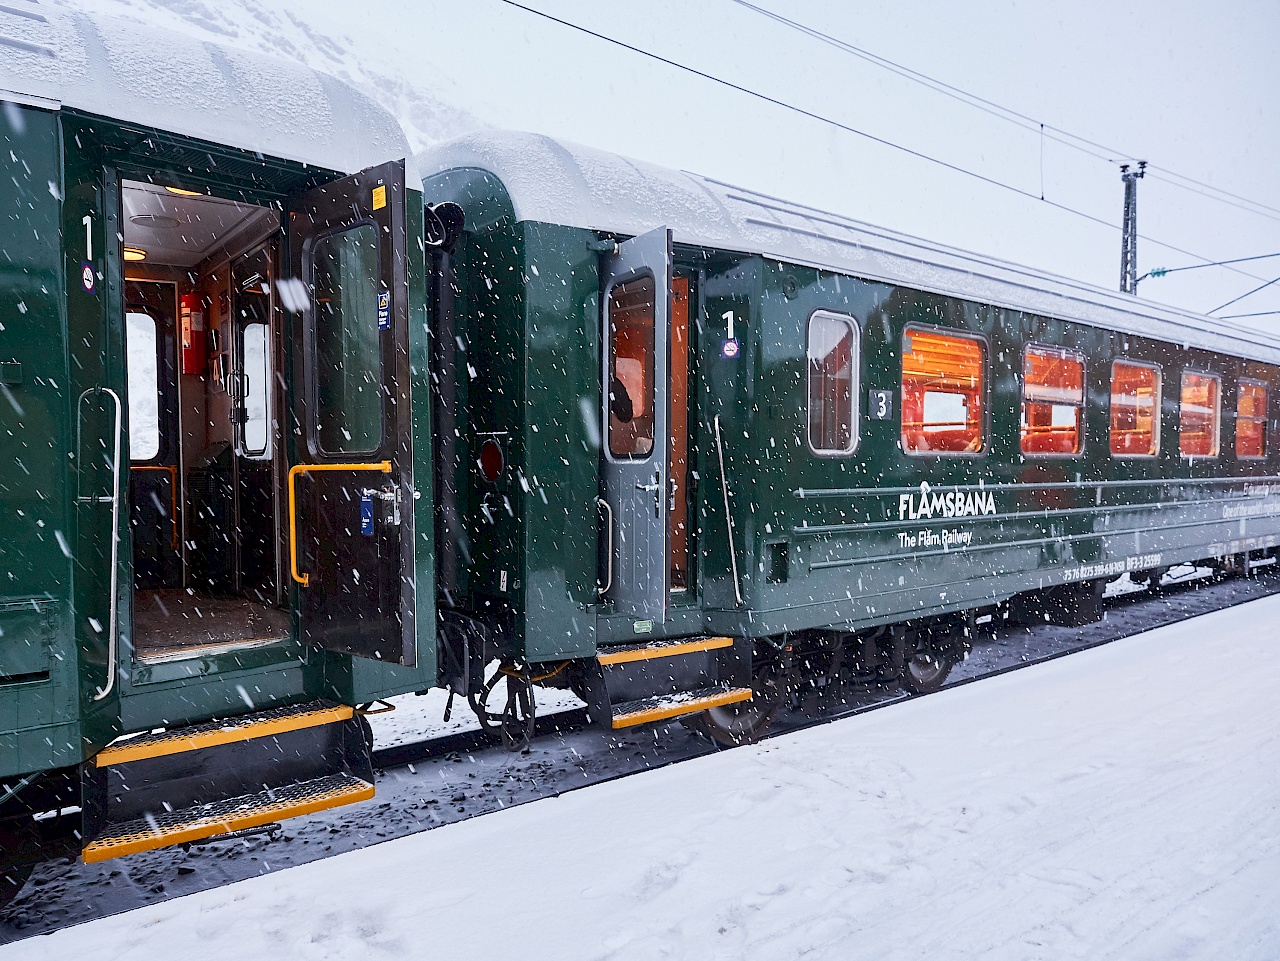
(849,440)
(326,439)
(216,481)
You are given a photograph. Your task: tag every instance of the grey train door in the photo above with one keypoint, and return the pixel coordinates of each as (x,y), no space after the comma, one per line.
(636,307)
(350,488)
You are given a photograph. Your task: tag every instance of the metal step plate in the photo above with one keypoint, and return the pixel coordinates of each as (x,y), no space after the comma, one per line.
(666,706)
(626,653)
(224,817)
(212,733)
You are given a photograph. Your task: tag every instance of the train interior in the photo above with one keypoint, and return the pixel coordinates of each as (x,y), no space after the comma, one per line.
(203,405)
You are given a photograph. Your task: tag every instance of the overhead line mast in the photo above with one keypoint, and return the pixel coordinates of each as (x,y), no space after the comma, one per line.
(1129,229)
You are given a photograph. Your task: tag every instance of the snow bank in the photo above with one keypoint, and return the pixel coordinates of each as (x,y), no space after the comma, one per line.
(1118,803)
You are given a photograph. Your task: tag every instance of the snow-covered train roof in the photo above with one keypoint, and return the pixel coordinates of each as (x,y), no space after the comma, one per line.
(553,181)
(173,82)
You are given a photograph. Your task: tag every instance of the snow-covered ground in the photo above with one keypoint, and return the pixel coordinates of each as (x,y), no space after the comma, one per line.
(420,716)
(1123,802)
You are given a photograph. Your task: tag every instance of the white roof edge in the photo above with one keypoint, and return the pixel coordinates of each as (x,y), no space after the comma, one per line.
(53,58)
(554,181)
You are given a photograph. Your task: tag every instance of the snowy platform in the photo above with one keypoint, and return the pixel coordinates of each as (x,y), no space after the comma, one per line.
(1123,802)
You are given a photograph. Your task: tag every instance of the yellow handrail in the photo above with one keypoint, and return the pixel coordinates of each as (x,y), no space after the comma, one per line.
(294,471)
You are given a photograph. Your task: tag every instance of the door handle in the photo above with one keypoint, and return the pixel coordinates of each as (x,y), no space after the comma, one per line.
(391,497)
(656,490)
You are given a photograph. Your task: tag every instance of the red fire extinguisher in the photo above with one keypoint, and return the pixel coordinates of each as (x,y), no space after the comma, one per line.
(194,339)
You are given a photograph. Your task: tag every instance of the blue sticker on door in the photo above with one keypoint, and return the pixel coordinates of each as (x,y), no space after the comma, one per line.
(366,513)
(384,309)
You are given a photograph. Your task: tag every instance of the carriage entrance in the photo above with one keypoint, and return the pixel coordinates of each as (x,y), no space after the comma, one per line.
(646,416)
(234,332)
(201,347)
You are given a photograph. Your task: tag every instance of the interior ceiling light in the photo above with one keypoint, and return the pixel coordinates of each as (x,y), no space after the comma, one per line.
(185,193)
(154,220)
(134,254)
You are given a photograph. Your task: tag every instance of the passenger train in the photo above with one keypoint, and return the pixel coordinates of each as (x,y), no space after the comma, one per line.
(292,422)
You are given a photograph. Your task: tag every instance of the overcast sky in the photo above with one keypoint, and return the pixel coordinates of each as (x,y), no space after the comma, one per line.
(1189,86)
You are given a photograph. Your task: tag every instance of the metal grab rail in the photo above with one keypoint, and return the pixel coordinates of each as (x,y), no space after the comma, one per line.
(112,601)
(608,579)
(294,471)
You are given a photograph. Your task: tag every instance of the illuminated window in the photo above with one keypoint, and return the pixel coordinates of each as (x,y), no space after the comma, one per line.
(942,393)
(1251,419)
(833,383)
(1052,401)
(1135,410)
(631,368)
(1199,415)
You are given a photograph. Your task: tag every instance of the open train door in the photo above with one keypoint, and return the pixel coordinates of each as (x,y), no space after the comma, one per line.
(350,487)
(635,289)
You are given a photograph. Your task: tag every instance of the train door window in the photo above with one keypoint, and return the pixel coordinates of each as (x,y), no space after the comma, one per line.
(348,359)
(142,346)
(1251,420)
(833,383)
(631,368)
(1199,415)
(943,393)
(1052,401)
(255,397)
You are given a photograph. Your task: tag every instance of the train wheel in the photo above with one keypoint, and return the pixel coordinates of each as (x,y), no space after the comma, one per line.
(926,671)
(745,722)
(513,723)
(19,844)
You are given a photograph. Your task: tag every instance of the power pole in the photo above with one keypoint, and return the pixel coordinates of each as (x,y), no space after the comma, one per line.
(1129,232)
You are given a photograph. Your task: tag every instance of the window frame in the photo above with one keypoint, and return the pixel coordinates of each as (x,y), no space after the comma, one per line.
(162,395)
(611,361)
(1083,407)
(311,355)
(1217,418)
(956,332)
(1159,407)
(855,412)
(267,451)
(1265,418)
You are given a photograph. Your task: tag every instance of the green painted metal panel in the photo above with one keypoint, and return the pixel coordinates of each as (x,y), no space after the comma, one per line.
(38,663)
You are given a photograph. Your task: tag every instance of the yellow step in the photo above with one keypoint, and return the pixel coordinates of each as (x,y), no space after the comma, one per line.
(666,706)
(224,817)
(627,653)
(212,733)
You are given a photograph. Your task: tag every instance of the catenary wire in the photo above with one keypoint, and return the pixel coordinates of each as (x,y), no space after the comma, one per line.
(1057,134)
(1248,293)
(857,132)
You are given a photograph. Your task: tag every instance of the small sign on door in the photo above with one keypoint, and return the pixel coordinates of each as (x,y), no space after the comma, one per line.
(366,513)
(384,309)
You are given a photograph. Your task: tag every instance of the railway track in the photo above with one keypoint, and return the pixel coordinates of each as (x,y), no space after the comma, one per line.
(429,783)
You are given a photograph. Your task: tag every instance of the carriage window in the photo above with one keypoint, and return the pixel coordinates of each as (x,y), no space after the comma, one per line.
(253,357)
(1251,420)
(348,359)
(1199,415)
(142,345)
(1135,410)
(631,365)
(942,393)
(1052,401)
(833,383)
